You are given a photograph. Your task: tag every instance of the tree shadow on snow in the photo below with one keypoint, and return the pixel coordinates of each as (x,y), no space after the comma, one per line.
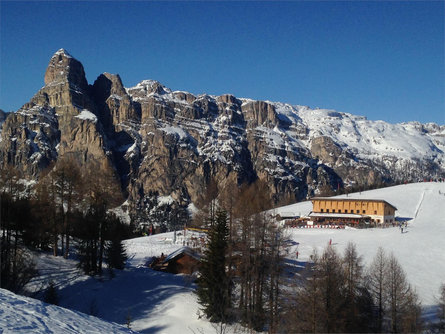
(294,268)
(134,293)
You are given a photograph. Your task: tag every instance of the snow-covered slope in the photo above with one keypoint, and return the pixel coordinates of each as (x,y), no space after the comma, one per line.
(24,315)
(420,250)
(370,139)
(164,303)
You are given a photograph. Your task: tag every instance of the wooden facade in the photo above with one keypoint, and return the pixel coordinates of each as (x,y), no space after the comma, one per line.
(353,211)
(181,261)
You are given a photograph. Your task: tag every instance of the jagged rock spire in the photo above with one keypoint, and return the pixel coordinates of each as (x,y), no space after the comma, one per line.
(64,68)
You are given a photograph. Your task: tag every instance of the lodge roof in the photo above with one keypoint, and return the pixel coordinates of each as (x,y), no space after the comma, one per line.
(347,199)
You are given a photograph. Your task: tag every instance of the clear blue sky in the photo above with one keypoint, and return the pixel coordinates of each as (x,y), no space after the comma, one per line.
(383,60)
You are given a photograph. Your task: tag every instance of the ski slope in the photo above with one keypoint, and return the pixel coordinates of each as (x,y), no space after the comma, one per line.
(156,302)
(421,250)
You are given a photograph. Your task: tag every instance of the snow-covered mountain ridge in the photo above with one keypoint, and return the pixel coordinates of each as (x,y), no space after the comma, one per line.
(173,142)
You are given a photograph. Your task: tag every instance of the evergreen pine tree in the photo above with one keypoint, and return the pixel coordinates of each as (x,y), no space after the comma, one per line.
(213,284)
(116,254)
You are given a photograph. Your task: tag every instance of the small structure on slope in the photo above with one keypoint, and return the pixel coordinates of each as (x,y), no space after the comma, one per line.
(182,261)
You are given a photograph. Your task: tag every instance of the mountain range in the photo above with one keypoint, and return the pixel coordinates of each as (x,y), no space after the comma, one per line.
(172,143)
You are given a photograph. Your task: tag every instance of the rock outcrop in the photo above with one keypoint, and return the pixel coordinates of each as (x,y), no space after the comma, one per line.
(172,143)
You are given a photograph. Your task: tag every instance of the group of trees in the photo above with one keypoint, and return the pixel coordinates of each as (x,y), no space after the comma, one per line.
(16,262)
(155,216)
(338,295)
(243,254)
(65,204)
(242,278)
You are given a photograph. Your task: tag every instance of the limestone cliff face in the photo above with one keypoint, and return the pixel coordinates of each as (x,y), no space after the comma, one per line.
(59,120)
(174,142)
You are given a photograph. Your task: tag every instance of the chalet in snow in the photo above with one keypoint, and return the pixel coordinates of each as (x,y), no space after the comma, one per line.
(329,212)
(182,261)
(352,212)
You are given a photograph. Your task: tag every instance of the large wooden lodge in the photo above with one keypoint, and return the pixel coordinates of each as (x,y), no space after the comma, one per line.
(342,212)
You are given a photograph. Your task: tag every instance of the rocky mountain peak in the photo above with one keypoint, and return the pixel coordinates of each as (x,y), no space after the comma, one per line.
(171,143)
(147,87)
(108,84)
(64,68)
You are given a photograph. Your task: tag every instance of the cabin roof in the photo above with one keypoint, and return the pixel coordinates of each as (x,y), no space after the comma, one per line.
(181,251)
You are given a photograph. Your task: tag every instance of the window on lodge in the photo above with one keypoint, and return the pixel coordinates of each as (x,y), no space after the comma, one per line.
(321,210)
(333,210)
(339,211)
(364,211)
(375,212)
(358,211)
(327,210)
(346,211)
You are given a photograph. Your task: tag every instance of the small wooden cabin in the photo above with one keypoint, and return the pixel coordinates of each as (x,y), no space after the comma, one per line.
(182,261)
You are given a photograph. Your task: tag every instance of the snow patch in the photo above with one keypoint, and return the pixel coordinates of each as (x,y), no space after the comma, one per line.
(174,130)
(87,115)
(165,200)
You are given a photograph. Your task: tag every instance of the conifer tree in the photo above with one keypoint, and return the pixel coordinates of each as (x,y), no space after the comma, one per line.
(116,254)
(213,284)
(376,283)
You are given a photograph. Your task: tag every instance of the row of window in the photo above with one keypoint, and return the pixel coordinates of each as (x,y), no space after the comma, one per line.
(346,211)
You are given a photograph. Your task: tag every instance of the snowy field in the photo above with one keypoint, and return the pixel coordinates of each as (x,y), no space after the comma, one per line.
(155,302)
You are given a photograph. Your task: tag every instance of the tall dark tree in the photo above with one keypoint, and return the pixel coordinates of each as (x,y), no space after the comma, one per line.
(115,252)
(257,245)
(331,280)
(213,285)
(403,304)
(68,184)
(357,309)
(103,193)
(87,230)
(376,281)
